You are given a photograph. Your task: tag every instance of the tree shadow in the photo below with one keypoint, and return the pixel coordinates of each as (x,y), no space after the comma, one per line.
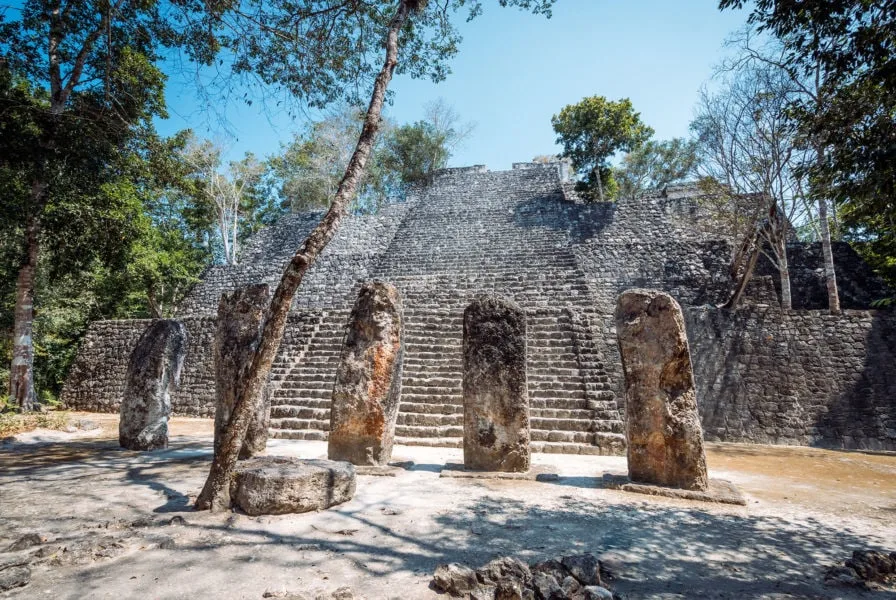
(861,411)
(654,548)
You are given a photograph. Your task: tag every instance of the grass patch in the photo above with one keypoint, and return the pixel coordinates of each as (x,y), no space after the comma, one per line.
(12,423)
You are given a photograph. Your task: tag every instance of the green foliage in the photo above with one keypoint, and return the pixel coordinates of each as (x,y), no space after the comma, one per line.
(847,46)
(314,53)
(306,172)
(412,152)
(593,130)
(656,164)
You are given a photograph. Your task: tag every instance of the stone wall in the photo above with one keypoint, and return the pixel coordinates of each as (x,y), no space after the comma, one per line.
(805,378)
(96,379)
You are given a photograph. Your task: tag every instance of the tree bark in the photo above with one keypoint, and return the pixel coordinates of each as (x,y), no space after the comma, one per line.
(742,268)
(784,273)
(829,273)
(21,376)
(215,494)
(600,185)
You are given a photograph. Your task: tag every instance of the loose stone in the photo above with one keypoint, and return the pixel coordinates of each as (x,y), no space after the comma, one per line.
(274,485)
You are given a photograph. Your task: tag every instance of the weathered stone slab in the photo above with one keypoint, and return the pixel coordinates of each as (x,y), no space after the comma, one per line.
(496,399)
(367,390)
(238,330)
(153,372)
(276,485)
(535,473)
(663,433)
(717,490)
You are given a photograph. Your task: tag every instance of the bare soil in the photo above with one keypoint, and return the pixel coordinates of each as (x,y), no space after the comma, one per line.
(119,524)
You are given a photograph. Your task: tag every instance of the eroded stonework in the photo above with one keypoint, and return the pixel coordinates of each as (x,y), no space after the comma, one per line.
(153,372)
(662,425)
(240,318)
(522,235)
(496,399)
(367,389)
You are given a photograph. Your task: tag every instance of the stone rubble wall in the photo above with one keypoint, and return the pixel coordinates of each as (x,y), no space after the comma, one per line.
(96,380)
(802,378)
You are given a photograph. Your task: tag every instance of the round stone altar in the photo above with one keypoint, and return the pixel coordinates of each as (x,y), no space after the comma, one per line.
(276,485)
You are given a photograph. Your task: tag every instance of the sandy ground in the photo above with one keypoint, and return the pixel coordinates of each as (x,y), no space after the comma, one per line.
(806,510)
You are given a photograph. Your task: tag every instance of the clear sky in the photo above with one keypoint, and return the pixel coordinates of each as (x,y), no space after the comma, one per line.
(515,70)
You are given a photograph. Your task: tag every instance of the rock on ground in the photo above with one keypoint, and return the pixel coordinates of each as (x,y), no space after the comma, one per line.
(663,432)
(496,400)
(274,485)
(508,578)
(240,318)
(866,568)
(367,390)
(153,372)
(14,577)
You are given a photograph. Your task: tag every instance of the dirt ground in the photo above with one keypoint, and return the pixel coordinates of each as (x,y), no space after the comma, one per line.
(125,523)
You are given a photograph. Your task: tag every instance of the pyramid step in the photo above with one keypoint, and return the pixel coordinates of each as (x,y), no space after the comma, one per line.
(575,437)
(290,423)
(429,420)
(299,434)
(300,412)
(551,424)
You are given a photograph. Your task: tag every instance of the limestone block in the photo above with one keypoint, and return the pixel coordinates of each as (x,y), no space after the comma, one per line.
(665,440)
(276,485)
(367,390)
(153,373)
(240,318)
(496,400)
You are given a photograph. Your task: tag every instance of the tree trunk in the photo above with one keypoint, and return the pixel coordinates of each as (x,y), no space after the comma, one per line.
(742,269)
(829,273)
(215,494)
(600,185)
(784,273)
(21,376)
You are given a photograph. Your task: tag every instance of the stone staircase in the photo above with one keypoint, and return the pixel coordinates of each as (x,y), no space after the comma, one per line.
(302,376)
(440,258)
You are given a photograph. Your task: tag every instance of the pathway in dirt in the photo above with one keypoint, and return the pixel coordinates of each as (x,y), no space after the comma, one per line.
(125,524)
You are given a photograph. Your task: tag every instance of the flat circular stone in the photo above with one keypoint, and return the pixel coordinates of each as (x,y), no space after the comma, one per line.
(276,485)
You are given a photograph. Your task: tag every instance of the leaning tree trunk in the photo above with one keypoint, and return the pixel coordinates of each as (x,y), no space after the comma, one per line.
(829,274)
(742,267)
(21,376)
(215,494)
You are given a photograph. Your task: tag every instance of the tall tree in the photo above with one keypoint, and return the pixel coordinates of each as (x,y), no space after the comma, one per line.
(410,154)
(316,46)
(91,82)
(231,194)
(750,150)
(656,164)
(306,173)
(845,48)
(593,130)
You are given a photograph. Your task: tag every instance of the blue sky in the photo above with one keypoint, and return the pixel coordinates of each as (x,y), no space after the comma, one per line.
(515,70)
